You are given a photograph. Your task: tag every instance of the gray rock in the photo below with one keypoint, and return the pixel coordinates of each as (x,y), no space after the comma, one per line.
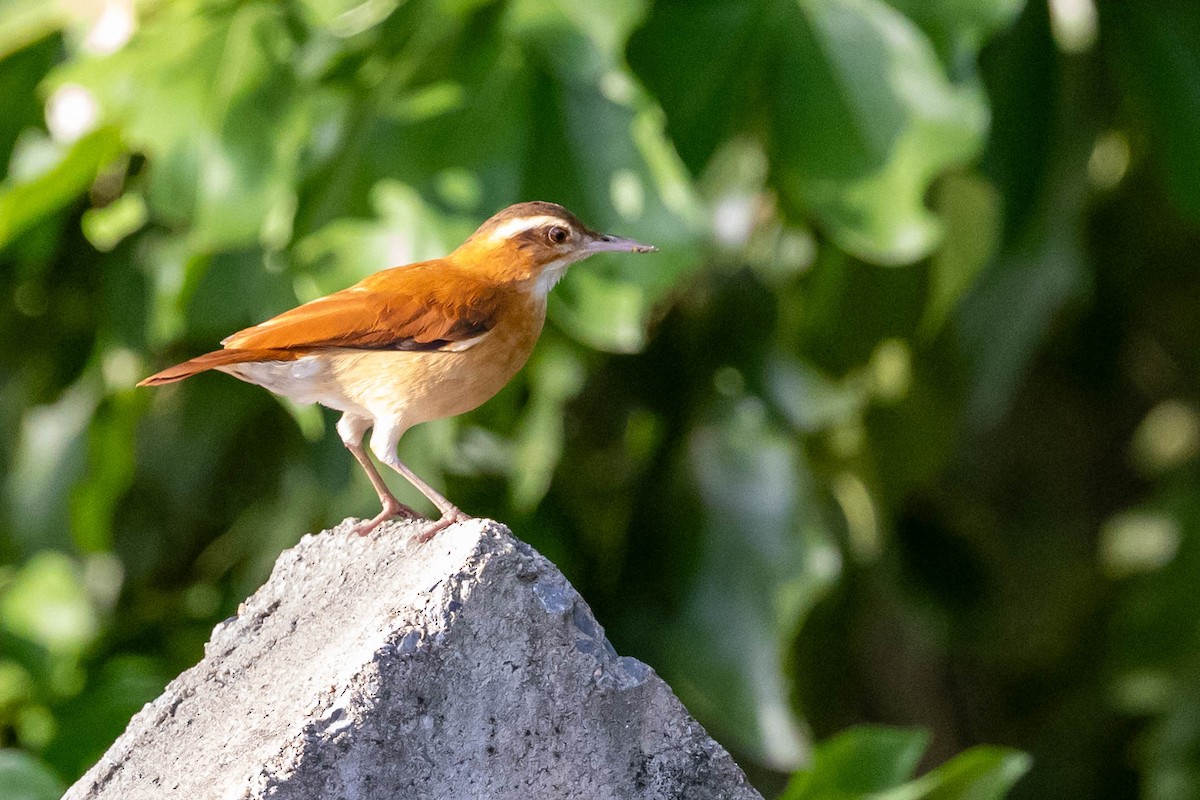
(373,667)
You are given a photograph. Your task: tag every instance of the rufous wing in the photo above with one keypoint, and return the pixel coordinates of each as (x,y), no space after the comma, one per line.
(418,307)
(425,306)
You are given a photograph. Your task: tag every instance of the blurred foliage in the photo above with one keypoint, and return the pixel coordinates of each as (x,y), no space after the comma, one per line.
(876,763)
(900,426)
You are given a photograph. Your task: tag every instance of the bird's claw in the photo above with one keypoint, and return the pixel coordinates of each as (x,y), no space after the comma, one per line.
(392,510)
(450,517)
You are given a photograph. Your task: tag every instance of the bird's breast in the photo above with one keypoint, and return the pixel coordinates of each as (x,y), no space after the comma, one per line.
(421,386)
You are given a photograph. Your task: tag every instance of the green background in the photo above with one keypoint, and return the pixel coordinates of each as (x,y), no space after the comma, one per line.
(887,461)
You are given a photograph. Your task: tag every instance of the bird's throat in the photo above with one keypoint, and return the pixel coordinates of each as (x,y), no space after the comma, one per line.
(550,275)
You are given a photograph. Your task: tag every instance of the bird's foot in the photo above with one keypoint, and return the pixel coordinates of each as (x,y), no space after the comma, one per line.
(449,517)
(391,510)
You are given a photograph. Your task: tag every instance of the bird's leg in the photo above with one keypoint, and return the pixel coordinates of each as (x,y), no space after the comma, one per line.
(391,506)
(383,442)
(450,512)
(351,429)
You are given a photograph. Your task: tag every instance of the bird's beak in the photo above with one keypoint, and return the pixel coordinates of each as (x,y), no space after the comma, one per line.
(617,244)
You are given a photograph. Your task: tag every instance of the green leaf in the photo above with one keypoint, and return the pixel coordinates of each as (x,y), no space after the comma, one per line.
(47,604)
(1155,50)
(960,27)
(981,773)
(1003,319)
(970,207)
(405,229)
(876,763)
(47,463)
(861,761)
(860,115)
(601,310)
(1153,631)
(24,777)
(95,498)
(861,136)
(759,572)
(722,86)
(555,375)
(347,17)
(25,202)
(212,100)
(20,75)
(23,22)
(106,227)
(809,400)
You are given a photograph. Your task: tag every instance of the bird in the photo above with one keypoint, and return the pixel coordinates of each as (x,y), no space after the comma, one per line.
(415,343)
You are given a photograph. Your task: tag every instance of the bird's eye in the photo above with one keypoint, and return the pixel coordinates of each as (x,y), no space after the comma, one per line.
(557,234)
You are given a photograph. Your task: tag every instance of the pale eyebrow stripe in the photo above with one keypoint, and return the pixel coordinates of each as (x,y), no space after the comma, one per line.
(510,227)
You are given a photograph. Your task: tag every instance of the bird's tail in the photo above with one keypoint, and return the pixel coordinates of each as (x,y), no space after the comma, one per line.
(214,360)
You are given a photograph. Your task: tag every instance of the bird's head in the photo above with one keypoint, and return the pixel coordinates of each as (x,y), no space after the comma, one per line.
(537,242)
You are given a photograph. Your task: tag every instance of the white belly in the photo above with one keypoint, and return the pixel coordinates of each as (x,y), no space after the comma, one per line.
(305,380)
(373,383)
